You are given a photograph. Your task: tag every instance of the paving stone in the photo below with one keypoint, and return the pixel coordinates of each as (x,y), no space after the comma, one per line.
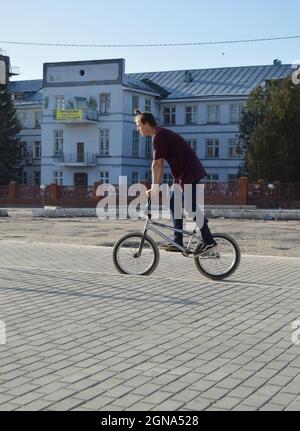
(269,407)
(154,345)
(198,404)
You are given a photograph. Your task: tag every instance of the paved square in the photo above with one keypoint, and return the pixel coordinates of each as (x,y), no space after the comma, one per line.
(82,337)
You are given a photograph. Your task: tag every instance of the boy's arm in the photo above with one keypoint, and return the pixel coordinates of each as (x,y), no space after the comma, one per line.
(157,174)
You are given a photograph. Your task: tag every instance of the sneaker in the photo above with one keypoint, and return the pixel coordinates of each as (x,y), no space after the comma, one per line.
(205,247)
(170,247)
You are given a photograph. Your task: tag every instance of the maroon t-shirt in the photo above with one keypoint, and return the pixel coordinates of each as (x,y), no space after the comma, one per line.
(184,163)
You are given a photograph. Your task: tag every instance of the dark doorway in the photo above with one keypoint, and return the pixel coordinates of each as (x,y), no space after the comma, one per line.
(81,179)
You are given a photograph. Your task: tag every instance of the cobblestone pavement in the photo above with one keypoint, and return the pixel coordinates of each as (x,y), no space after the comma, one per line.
(79,336)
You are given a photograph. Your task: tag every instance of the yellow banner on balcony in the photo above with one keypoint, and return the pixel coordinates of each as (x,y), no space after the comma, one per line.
(69,114)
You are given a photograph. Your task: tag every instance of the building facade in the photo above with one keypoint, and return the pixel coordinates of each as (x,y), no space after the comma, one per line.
(79,128)
(27,96)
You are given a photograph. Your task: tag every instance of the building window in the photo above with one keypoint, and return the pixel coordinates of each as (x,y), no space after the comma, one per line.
(135,144)
(135,103)
(104,177)
(213,114)
(104,142)
(37,120)
(79,102)
(212,148)
(58,142)
(191,114)
(232,177)
(169,115)
(147,105)
(22,117)
(212,177)
(193,144)
(37,178)
(60,103)
(105,103)
(135,178)
(37,150)
(148,147)
(168,179)
(233,150)
(235,112)
(23,149)
(24,178)
(58,178)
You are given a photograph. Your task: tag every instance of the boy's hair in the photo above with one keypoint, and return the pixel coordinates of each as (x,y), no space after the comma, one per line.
(145,117)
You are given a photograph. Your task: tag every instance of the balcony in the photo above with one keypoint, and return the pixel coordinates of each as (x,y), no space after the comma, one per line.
(76,116)
(75,159)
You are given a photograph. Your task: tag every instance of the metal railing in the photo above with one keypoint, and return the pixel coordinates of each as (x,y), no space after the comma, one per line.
(70,158)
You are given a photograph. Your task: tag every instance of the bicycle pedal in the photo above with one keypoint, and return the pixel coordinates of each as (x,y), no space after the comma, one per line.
(190,255)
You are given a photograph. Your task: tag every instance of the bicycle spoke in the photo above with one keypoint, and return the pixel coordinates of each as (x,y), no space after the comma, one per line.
(220,261)
(127,260)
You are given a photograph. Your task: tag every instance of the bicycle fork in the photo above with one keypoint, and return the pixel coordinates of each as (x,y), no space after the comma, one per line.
(139,252)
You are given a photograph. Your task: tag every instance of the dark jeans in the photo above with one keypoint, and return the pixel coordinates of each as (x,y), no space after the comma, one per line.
(178,223)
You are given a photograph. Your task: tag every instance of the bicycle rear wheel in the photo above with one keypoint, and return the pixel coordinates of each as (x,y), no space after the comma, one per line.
(126,258)
(220,262)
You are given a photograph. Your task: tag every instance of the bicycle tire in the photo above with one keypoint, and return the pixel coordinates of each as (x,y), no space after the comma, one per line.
(135,235)
(199,259)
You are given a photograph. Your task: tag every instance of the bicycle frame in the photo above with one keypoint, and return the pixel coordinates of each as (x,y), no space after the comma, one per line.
(150,225)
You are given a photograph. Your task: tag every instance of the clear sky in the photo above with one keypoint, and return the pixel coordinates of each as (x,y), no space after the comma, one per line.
(152,21)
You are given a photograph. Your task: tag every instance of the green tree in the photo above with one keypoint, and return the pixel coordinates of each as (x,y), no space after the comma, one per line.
(10,155)
(270,132)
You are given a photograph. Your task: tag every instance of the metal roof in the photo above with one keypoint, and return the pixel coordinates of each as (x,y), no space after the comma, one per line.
(183,84)
(228,81)
(33,97)
(26,86)
(137,84)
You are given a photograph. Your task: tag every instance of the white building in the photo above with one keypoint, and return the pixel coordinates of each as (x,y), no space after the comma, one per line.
(88,132)
(27,96)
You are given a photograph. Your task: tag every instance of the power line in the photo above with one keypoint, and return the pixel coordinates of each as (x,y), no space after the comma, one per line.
(145,45)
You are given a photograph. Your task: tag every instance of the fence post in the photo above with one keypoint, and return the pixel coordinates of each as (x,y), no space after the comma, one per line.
(96,198)
(54,193)
(12,192)
(243,191)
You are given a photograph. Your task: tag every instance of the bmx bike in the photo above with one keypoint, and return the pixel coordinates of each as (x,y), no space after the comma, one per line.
(136,253)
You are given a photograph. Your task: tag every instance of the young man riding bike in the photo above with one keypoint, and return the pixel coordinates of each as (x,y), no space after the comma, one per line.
(185,167)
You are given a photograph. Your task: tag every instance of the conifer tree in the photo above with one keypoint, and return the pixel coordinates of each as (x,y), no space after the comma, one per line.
(10,152)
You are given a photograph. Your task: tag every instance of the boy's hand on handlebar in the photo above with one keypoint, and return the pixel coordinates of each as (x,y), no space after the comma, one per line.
(153,191)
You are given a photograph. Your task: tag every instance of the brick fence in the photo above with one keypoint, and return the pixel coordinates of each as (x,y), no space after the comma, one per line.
(241,192)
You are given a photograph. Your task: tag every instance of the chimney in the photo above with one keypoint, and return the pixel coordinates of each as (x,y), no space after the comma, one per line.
(188,76)
(277,62)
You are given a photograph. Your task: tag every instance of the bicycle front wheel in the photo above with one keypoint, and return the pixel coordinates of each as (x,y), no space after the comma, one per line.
(126,258)
(220,262)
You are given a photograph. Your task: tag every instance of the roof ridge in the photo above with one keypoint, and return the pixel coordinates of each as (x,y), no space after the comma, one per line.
(211,68)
